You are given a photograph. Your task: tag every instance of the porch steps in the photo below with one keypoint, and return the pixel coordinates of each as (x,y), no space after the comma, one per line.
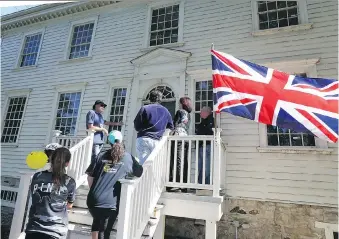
(81,220)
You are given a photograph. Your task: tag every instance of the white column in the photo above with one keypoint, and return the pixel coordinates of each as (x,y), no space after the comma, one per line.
(211,230)
(216,163)
(20,204)
(123,229)
(160,230)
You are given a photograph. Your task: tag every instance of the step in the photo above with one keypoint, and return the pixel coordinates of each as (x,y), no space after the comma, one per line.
(80,201)
(80,215)
(81,220)
(79,231)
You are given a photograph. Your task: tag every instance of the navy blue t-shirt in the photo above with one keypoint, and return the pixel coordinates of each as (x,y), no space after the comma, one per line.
(105,190)
(97,120)
(152,121)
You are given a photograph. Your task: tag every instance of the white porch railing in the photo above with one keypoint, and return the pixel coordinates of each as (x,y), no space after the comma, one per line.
(9,196)
(197,149)
(140,196)
(81,157)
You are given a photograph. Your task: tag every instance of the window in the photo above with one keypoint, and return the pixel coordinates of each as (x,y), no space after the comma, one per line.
(13,119)
(203,97)
(118,107)
(164,25)
(335,235)
(275,14)
(279,15)
(277,136)
(67,112)
(30,51)
(81,40)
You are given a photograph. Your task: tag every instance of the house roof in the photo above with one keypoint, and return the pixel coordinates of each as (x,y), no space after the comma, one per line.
(47,12)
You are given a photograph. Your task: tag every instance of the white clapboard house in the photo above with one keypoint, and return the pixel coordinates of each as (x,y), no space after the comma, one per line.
(57,59)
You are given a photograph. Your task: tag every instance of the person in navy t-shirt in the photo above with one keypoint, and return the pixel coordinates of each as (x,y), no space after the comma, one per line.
(103,179)
(96,122)
(151,122)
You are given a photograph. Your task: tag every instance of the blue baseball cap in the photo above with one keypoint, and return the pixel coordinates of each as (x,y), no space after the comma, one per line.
(115,136)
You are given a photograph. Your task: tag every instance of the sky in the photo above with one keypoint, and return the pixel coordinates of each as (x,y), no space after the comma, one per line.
(8,10)
(8,7)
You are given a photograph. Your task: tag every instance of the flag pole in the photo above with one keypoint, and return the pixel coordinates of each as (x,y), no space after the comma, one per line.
(214,113)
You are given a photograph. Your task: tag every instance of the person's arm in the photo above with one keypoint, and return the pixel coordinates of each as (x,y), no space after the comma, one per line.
(177,117)
(90,171)
(113,123)
(71,194)
(90,181)
(170,124)
(137,169)
(138,121)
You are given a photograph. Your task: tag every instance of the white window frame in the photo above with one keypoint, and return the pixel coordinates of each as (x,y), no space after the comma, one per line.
(303,66)
(80,87)
(22,45)
(161,4)
(330,228)
(303,19)
(122,83)
(14,94)
(70,34)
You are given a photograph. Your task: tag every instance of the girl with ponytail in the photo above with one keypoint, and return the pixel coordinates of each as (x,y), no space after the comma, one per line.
(53,191)
(104,174)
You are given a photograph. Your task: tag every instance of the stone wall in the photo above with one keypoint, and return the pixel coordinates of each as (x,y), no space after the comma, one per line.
(259,220)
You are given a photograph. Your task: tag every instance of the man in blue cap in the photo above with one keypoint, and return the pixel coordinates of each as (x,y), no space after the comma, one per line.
(96,122)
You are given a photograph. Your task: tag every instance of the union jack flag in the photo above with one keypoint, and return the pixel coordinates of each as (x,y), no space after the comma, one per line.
(276,98)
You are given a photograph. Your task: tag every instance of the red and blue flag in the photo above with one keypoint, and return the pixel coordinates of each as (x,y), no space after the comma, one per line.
(272,97)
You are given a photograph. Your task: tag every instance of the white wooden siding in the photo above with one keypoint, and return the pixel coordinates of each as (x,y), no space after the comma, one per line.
(227,24)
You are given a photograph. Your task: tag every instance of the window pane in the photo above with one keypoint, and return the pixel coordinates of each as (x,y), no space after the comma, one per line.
(13,119)
(164,25)
(272,140)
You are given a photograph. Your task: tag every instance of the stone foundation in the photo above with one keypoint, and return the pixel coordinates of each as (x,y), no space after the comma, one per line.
(259,220)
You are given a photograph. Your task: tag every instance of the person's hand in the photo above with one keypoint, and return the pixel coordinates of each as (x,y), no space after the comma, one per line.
(105,131)
(119,123)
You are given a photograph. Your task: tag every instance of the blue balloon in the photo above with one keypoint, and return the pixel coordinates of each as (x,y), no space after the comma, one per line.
(111,138)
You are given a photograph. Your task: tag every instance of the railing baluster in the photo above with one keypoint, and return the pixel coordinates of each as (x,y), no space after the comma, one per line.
(182,161)
(175,161)
(189,161)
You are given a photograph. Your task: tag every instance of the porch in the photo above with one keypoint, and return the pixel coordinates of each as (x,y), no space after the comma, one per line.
(145,198)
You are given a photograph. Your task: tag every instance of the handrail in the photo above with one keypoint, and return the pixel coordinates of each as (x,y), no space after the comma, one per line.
(140,196)
(81,158)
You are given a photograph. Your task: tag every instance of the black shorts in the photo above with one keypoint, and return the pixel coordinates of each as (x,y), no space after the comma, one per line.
(103,219)
(38,235)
